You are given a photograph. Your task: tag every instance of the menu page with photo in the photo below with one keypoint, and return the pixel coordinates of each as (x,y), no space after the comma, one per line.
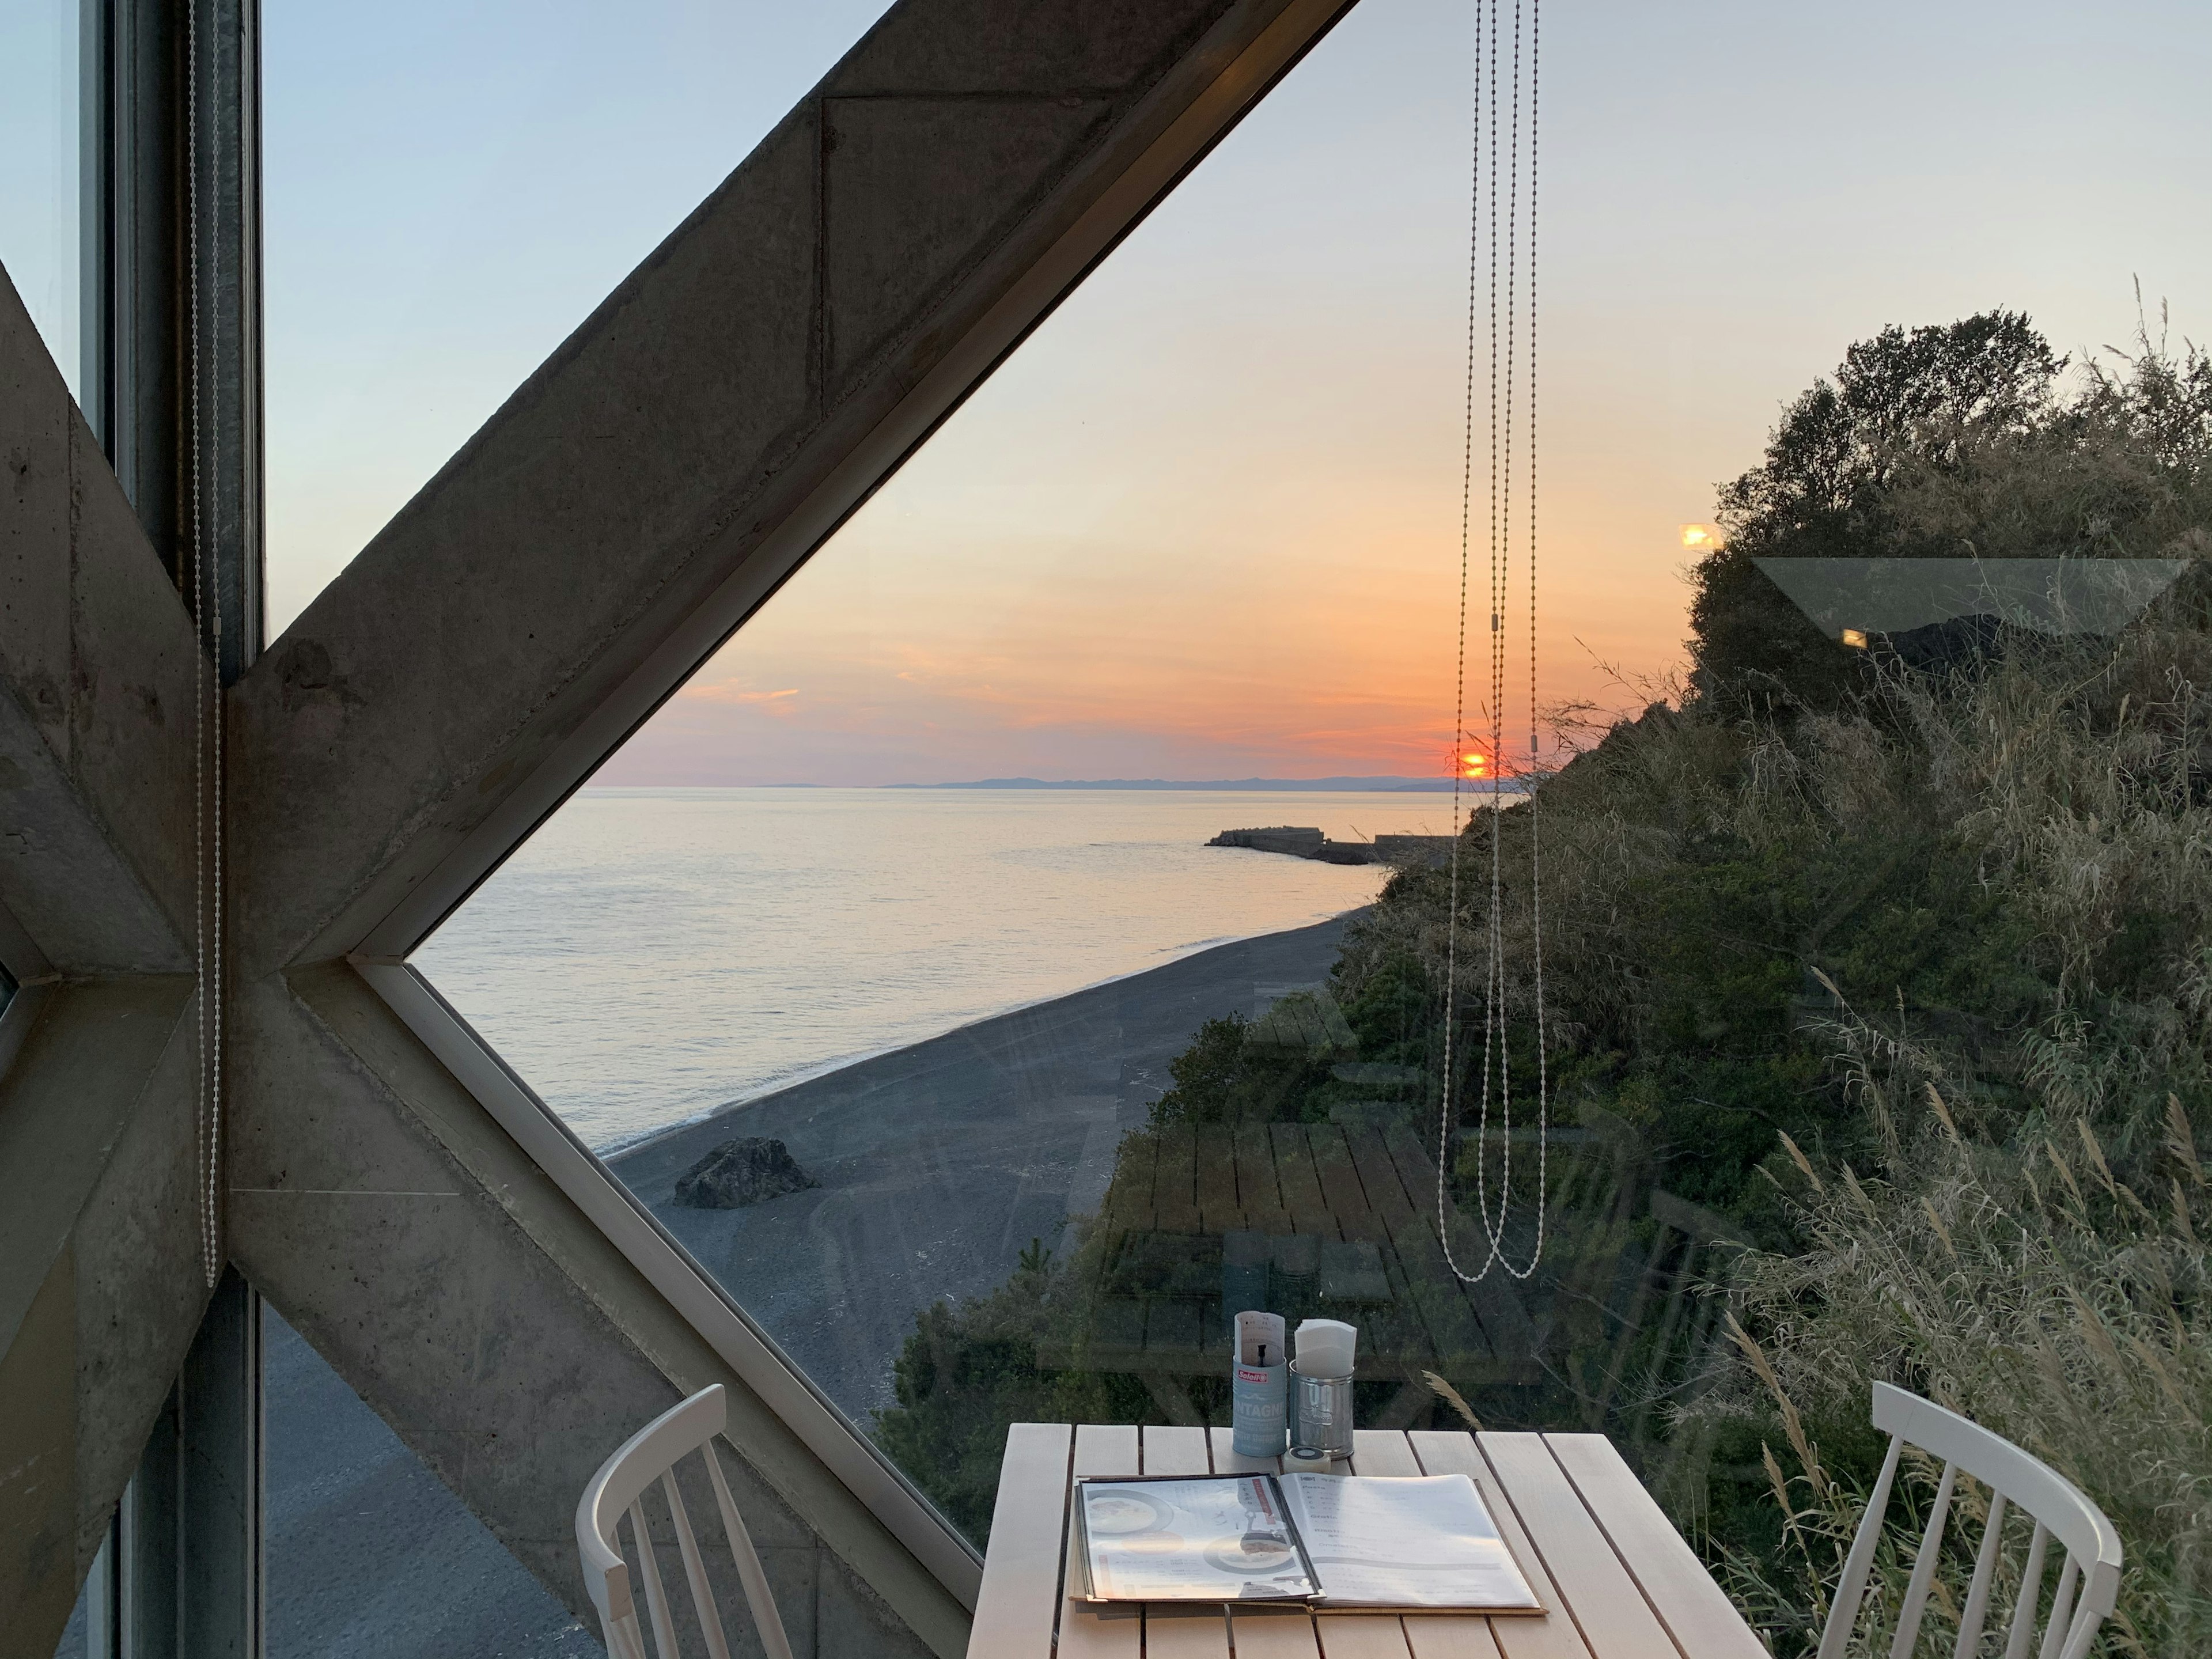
(1220,1538)
(1416,1542)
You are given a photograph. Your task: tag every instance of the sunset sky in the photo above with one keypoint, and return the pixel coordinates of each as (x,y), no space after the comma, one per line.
(1204,525)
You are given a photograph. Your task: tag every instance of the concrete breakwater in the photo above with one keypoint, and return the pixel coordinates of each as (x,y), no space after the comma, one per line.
(1301,842)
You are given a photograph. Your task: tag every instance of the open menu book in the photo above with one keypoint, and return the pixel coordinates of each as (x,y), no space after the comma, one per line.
(1329,1541)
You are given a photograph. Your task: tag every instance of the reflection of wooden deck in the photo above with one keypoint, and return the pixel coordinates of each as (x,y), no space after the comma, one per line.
(1362,1201)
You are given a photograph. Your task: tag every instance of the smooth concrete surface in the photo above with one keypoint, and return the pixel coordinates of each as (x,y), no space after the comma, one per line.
(97,1183)
(941,1162)
(96,692)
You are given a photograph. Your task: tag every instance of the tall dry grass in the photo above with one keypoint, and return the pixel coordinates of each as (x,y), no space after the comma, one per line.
(2027,1242)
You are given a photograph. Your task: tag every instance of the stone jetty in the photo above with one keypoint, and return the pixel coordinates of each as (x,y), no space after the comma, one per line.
(1304,842)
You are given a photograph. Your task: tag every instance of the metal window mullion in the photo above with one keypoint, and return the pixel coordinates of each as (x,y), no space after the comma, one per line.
(223,385)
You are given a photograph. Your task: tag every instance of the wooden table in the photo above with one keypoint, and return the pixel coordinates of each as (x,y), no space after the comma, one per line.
(1615,1578)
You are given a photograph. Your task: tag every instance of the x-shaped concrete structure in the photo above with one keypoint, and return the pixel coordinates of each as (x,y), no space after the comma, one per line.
(392,1187)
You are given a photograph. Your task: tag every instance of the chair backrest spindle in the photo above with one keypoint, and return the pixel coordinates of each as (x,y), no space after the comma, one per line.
(1850,1590)
(656,1596)
(1924,1569)
(2089,1579)
(648,1457)
(747,1561)
(2062,1605)
(2030,1594)
(1976,1613)
(695,1571)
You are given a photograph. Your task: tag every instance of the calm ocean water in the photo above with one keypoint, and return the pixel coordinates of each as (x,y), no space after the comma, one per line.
(654,953)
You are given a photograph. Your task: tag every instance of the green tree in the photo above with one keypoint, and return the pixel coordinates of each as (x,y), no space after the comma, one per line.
(1903,404)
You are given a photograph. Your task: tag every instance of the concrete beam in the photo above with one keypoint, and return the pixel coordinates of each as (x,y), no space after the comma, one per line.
(96,692)
(710,425)
(99,1281)
(401,1229)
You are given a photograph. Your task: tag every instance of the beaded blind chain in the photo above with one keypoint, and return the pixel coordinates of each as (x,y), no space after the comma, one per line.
(203,582)
(1512,399)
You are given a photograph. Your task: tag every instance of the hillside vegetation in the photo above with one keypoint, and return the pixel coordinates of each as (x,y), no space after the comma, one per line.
(1905,975)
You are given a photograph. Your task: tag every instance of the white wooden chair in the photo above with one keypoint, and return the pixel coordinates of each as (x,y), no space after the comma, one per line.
(618,1489)
(2093,1548)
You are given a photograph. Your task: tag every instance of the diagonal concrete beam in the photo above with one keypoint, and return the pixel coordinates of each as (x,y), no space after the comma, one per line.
(506,1339)
(100,1290)
(97,657)
(712,423)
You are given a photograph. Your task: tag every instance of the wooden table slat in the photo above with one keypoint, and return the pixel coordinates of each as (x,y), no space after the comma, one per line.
(1598,1590)
(1283,1635)
(1369,1635)
(1696,1612)
(1382,1452)
(1451,1451)
(1227,1462)
(1360,1636)
(1180,1633)
(1260,1632)
(1452,1636)
(1176,1451)
(1087,1632)
(1428,1635)
(1021,1591)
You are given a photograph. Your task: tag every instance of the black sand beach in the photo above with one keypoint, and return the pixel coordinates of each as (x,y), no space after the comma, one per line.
(938,1164)
(941,1162)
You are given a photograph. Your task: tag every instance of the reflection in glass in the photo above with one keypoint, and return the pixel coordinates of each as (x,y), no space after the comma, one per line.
(366,1552)
(1908,600)
(1864,982)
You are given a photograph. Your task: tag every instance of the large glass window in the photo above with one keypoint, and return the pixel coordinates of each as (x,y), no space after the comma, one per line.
(1034,937)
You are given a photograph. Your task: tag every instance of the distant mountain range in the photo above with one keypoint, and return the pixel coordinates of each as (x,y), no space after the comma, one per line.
(1286,786)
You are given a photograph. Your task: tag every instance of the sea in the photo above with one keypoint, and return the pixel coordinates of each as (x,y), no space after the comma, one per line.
(652,955)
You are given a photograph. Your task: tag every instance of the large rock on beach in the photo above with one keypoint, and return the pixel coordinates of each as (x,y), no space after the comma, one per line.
(741,1172)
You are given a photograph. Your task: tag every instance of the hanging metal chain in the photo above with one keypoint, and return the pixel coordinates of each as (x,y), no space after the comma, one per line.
(1497,1058)
(203,581)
